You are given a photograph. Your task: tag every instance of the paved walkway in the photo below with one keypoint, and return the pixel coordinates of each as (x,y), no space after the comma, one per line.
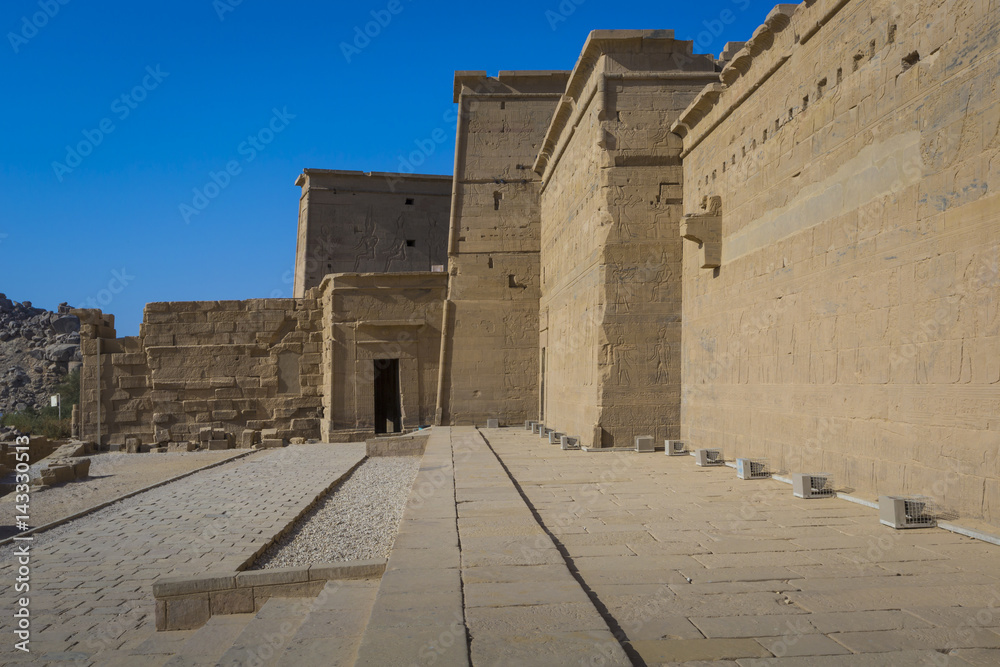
(91,595)
(694,564)
(513,552)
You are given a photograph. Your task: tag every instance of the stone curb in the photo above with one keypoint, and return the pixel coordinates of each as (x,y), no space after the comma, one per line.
(187,603)
(305,510)
(100,506)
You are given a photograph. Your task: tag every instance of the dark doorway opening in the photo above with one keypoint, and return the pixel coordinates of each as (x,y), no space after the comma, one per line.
(388,407)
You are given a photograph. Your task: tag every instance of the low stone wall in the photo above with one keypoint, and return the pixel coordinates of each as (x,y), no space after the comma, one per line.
(227,365)
(406,445)
(186,603)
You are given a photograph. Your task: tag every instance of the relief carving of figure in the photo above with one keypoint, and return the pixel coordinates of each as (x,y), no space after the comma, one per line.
(660,355)
(622,354)
(624,279)
(365,248)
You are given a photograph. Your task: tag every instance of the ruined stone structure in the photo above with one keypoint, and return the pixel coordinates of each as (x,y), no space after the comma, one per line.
(790,251)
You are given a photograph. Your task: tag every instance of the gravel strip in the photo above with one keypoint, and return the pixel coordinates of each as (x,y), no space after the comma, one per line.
(357,521)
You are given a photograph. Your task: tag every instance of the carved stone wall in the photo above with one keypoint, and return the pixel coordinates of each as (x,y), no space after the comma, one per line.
(357,222)
(491,356)
(611,207)
(852,326)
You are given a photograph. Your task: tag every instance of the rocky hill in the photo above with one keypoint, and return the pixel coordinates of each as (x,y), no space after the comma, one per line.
(37,349)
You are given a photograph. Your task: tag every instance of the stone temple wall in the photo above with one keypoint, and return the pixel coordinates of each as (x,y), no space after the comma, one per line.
(491,357)
(352,221)
(853,325)
(611,257)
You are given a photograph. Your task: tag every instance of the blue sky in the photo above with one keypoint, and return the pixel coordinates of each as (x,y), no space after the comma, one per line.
(121,118)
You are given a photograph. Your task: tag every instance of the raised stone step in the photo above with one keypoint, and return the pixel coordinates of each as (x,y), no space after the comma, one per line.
(331,633)
(269,632)
(210,642)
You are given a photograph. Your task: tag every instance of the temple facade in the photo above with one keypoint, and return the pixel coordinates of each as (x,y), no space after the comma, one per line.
(790,251)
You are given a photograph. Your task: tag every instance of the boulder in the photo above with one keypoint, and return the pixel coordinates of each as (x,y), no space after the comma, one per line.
(66,324)
(62,352)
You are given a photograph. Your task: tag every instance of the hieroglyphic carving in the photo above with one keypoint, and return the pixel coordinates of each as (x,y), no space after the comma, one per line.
(365,248)
(660,355)
(397,250)
(623,281)
(621,354)
(624,201)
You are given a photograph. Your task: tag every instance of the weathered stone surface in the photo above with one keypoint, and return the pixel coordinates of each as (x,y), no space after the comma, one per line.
(177,586)
(235,601)
(188,613)
(275,576)
(382,223)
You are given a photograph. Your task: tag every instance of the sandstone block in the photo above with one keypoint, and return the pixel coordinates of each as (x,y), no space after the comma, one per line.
(180,586)
(272,577)
(367,569)
(188,613)
(81,468)
(237,601)
(305,589)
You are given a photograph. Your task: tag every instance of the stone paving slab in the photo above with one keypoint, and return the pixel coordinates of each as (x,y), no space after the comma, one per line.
(92,578)
(418,615)
(523,606)
(698,567)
